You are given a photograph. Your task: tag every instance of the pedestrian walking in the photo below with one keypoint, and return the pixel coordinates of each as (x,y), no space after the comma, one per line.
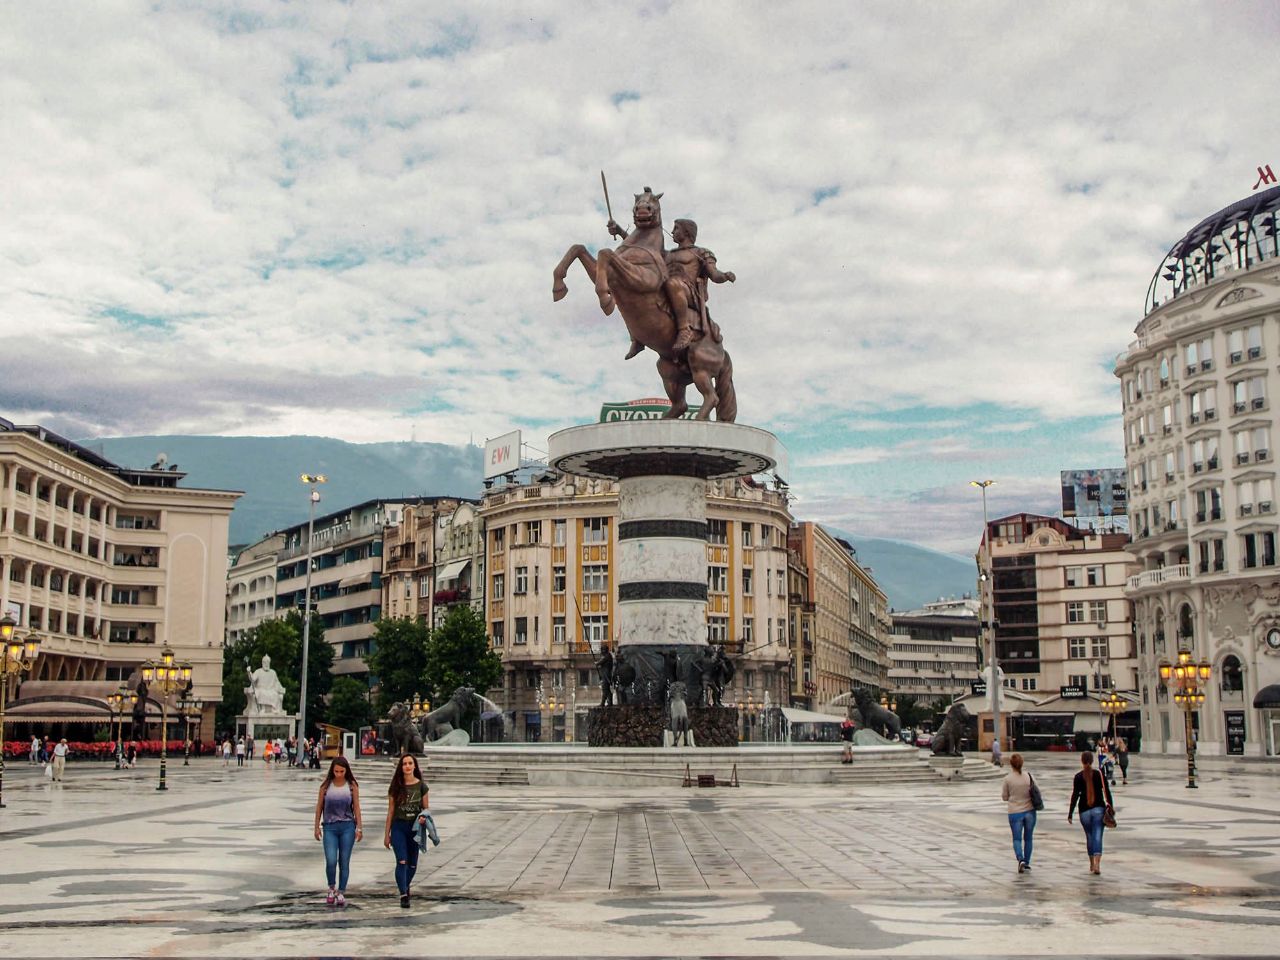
(339,825)
(266,753)
(406,804)
(846,734)
(60,759)
(995,752)
(1090,792)
(248,747)
(1016,792)
(291,746)
(131,754)
(1122,758)
(35,749)
(226,751)
(240,749)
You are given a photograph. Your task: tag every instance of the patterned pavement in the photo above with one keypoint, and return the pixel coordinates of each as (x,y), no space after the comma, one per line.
(224,865)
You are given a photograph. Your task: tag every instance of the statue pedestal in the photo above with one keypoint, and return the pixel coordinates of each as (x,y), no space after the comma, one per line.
(261,726)
(662,468)
(639,725)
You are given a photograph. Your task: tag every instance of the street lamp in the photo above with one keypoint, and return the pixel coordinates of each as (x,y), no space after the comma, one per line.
(190,707)
(16,657)
(118,700)
(988,606)
(169,678)
(313,480)
(1113,705)
(419,708)
(1189,679)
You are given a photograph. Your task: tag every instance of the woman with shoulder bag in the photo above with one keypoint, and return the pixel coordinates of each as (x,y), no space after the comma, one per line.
(406,803)
(1091,792)
(338,807)
(1021,794)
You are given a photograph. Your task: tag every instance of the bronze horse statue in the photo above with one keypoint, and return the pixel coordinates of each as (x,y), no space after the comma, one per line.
(634,278)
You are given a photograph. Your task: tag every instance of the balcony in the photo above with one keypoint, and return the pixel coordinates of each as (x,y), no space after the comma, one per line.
(1155,578)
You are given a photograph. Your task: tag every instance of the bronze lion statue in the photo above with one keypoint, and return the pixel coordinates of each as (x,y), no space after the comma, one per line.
(946,742)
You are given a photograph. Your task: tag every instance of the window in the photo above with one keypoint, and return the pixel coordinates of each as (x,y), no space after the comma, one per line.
(746,581)
(522,581)
(782,582)
(1204,454)
(1100,648)
(717,629)
(558,634)
(1080,680)
(557,579)
(1245,343)
(585,678)
(717,531)
(532,679)
(595,578)
(499,586)
(1248,394)
(1251,495)
(1259,549)
(522,631)
(1209,504)
(1077,647)
(1074,576)
(1098,611)
(1028,683)
(499,538)
(496,630)
(408,588)
(424,588)
(595,530)
(534,534)
(1199,355)
(1075,611)
(746,534)
(748,630)
(596,629)
(1212,556)
(717,579)
(558,532)
(1093,576)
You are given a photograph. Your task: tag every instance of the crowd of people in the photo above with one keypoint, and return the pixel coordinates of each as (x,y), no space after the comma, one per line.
(278,750)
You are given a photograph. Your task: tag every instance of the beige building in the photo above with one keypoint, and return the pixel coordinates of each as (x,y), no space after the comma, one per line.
(413,552)
(107,564)
(346,576)
(1200,433)
(934,651)
(551,594)
(1062,618)
(251,586)
(850,618)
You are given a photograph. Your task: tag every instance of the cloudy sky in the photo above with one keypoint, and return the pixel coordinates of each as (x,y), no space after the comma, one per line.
(341,219)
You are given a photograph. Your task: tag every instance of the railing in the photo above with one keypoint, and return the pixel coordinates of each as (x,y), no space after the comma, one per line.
(1153,578)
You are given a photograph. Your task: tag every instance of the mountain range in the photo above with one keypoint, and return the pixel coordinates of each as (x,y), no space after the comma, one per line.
(267,470)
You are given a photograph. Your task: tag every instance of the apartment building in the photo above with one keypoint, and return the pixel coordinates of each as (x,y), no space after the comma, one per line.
(935,650)
(108,565)
(552,594)
(251,586)
(415,570)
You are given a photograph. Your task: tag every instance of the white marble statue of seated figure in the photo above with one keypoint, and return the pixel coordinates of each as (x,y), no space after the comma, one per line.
(265,694)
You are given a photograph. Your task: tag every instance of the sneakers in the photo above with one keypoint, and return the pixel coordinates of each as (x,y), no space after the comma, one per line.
(404,900)
(342,900)
(330,898)
(1021,866)
(1026,867)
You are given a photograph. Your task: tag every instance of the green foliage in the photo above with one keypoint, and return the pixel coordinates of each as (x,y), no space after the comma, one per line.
(399,660)
(281,640)
(458,655)
(912,712)
(349,705)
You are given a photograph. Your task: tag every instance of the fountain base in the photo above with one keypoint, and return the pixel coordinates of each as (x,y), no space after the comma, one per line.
(642,725)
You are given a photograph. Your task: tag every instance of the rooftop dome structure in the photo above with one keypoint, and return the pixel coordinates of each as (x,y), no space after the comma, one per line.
(1236,237)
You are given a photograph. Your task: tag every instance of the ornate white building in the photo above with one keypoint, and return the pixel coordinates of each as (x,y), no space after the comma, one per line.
(1197,387)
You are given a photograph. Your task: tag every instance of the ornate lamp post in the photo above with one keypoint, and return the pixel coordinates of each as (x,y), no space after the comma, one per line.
(1189,679)
(1113,705)
(312,480)
(16,658)
(119,700)
(190,708)
(169,678)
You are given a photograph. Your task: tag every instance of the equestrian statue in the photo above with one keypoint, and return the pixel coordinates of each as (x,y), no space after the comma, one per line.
(662,296)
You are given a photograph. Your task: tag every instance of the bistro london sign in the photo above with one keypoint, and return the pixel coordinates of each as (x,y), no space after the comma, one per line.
(650,408)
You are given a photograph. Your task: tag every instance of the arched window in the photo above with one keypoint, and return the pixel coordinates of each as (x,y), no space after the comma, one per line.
(1157,639)
(1232,674)
(1186,628)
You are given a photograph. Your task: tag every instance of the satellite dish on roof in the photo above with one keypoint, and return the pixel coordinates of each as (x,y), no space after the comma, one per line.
(161,459)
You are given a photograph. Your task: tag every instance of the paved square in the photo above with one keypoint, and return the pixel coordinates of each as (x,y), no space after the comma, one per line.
(224,865)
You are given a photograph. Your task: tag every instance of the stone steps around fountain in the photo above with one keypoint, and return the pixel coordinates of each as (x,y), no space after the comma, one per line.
(580,765)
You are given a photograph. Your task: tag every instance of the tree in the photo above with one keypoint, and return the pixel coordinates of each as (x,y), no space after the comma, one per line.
(911,712)
(349,705)
(399,660)
(458,655)
(281,640)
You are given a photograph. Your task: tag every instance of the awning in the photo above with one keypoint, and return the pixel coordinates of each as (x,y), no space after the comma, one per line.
(1090,723)
(359,578)
(1268,698)
(452,570)
(795,715)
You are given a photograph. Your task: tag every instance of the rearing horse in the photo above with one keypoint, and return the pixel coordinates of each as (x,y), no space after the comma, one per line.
(633,278)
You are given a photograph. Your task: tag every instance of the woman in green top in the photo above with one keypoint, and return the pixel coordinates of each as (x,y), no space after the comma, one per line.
(406,800)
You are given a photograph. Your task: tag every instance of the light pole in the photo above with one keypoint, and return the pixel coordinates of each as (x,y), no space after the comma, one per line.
(988,607)
(190,708)
(313,480)
(16,658)
(1190,679)
(1113,705)
(118,701)
(169,678)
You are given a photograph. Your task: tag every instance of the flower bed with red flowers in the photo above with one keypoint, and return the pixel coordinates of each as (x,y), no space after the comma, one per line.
(96,751)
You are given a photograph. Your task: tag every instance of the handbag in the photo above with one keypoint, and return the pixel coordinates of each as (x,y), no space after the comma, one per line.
(1037,801)
(1109,816)
(48,770)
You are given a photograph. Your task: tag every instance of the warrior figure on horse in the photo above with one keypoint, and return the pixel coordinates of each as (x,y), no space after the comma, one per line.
(662,297)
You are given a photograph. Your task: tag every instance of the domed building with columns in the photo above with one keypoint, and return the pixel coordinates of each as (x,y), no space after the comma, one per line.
(1200,387)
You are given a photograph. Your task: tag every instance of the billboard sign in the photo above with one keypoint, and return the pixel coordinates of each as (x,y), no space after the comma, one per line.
(1070,691)
(648,408)
(501,455)
(978,688)
(1095,493)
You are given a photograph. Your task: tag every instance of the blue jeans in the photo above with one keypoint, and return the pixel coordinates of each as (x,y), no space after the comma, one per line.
(339,839)
(1091,820)
(406,850)
(1023,826)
